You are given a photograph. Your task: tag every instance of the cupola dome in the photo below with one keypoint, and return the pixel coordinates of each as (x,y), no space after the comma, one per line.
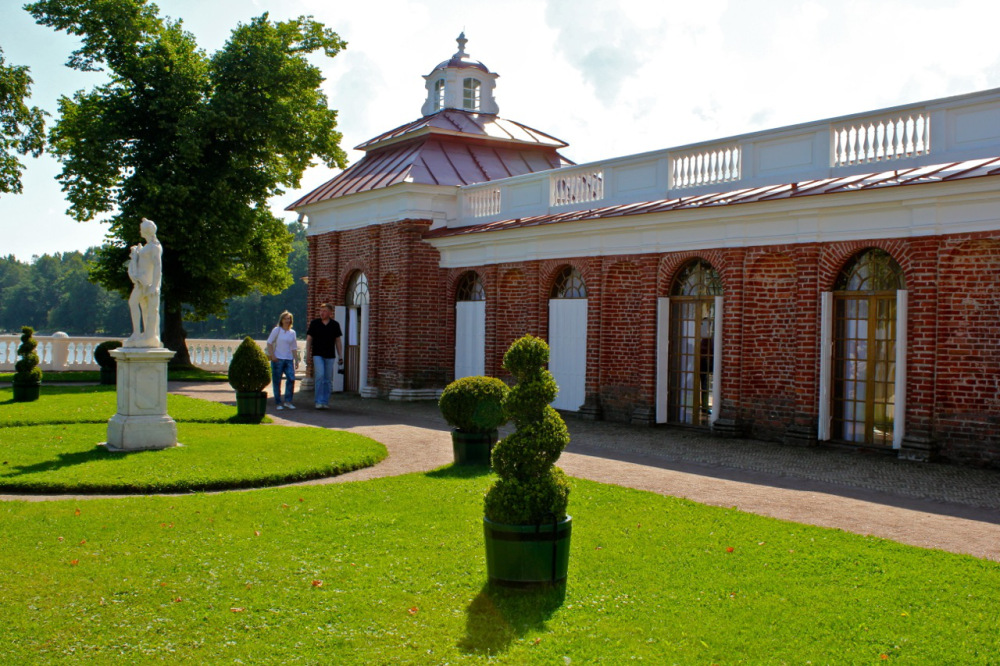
(460,83)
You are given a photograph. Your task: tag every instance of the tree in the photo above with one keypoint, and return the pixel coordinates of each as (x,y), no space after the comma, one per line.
(196,143)
(22,129)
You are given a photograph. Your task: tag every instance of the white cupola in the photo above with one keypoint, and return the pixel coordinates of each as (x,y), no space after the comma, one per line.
(460,83)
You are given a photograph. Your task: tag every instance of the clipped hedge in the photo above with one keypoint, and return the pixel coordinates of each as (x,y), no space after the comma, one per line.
(474,404)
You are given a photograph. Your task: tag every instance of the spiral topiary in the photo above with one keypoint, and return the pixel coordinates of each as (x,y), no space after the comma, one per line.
(530,489)
(26,370)
(474,404)
(249,371)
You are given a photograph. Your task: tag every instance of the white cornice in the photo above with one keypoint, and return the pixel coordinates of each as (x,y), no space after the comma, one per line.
(896,212)
(403,201)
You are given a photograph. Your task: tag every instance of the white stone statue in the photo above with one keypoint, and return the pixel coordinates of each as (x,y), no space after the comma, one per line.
(145,265)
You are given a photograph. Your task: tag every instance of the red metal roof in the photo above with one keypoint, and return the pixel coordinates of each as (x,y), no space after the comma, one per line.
(466,123)
(949,172)
(435,160)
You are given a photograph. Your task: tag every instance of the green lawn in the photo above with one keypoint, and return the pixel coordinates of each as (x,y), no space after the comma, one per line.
(52,445)
(68,458)
(392,571)
(97,404)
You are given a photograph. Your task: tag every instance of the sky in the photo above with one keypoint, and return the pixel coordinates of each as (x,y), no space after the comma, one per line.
(611,77)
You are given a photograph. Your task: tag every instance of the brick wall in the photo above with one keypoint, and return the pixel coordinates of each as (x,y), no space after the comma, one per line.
(770,381)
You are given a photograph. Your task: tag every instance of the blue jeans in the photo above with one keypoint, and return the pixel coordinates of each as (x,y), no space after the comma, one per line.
(279,368)
(323,378)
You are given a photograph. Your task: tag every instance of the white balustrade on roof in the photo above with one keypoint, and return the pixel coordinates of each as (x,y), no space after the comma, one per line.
(939,131)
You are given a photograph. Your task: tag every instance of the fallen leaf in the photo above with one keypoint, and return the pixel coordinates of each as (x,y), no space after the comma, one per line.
(301,499)
(73,563)
(237,610)
(536,641)
(83,541)
(60,538)
(76,513)
(284,506)
(177,600)
(256,532)
(883,656)
(413,611)
(730,549)
(163,584)
(317,583)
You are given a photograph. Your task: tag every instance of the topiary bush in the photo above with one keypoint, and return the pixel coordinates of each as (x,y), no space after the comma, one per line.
(474,404)
(249,371)
(530,489)
(102,354)
(26,370)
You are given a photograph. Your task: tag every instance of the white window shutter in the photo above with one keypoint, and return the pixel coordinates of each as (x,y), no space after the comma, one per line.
(825,364)
(899,411)
(717,363)
(662,357)
(340,314)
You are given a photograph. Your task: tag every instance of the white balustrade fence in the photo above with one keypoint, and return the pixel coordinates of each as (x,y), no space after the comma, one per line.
(882,139)
(721,165)
(577,187)
(484,201)
(60,352)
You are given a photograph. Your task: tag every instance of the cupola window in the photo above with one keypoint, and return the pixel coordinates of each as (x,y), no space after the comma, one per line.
(439,94)
(471,99)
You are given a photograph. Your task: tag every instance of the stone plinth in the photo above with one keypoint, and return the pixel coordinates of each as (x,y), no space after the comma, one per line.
(142,422)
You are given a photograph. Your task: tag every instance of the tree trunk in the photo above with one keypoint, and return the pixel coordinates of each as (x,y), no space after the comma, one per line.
(175,337)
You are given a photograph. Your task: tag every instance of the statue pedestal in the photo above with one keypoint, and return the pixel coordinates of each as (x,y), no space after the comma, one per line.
(142,422)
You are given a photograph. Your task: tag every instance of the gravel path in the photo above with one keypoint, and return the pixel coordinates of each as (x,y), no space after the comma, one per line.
(929,505)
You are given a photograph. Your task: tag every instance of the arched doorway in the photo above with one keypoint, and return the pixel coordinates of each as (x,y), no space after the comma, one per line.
(865,356)
(354,315)
(470,326)
(568,338)
(688,347)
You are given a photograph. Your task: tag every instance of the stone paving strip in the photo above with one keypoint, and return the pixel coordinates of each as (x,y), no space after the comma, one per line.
(951,508)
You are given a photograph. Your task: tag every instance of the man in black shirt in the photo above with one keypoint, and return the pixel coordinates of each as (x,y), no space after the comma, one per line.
(323,345)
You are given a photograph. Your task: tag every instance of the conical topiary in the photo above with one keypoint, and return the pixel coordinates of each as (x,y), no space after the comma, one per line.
(249,371)
(530,489)
(27,374)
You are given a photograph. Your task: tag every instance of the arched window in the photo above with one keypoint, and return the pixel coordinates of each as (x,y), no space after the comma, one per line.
(569,284)
(697,279)
(357,290)
(691,373)
(439,94)
(471,98)
(864,349)
(470,288)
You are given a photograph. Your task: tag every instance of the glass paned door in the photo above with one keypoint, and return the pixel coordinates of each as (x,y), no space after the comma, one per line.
(691,366)
(864,368)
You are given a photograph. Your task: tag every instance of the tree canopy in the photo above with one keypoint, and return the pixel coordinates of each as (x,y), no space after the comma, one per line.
(196,142)
(22,128)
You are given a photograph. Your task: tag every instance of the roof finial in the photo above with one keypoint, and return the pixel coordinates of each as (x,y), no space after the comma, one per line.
(462,41)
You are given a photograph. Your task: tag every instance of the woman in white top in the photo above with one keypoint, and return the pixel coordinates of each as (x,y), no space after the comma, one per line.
(282,346)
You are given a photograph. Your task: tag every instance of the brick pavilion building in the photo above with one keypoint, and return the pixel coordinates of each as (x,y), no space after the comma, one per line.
(835,281)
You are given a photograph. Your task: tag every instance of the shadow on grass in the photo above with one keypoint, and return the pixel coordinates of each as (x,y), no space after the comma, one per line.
(61,460)
(454,471)
(498,616)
